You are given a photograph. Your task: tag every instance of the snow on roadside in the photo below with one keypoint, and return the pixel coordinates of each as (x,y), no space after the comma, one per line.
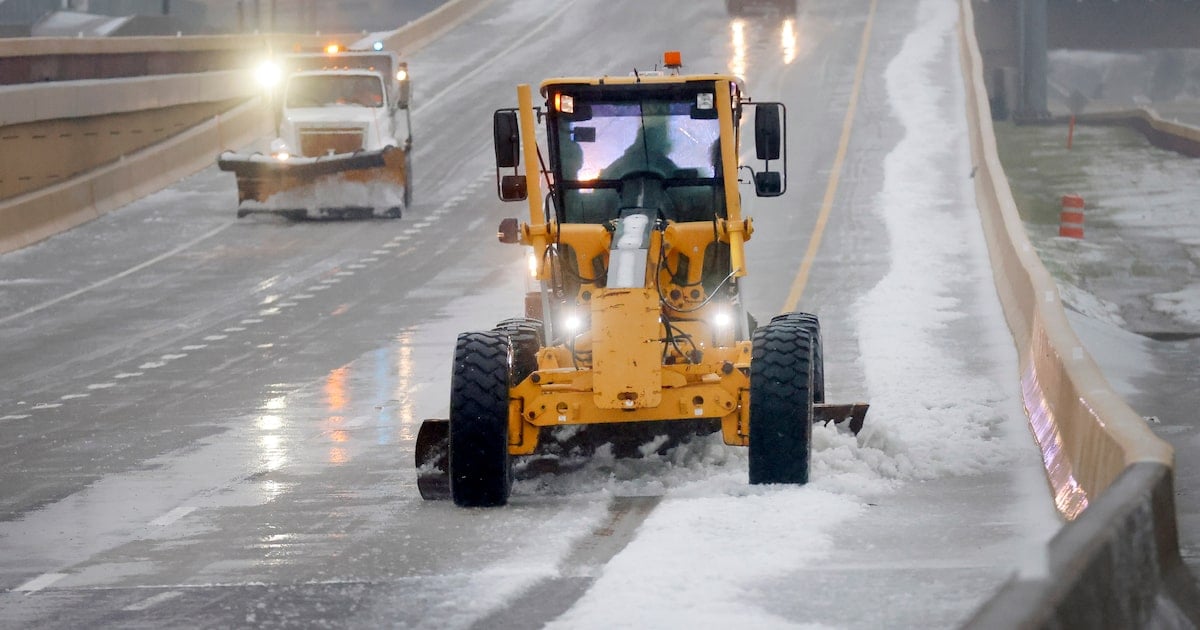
(931,415)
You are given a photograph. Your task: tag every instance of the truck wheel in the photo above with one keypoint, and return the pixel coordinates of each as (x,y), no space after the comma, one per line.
(781,404)
(527,338)
(395,212)
(809,322)
(480,468)
(408,179)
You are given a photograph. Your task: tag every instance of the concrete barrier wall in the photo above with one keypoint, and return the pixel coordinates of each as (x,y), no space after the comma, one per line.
(1161,133)
(39,154)
(32,217)
(425,29)
(1110,475)
(41,59)
(35,102)
(36,215)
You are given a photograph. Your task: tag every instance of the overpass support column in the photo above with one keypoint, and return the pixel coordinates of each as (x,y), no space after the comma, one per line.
(1031,74)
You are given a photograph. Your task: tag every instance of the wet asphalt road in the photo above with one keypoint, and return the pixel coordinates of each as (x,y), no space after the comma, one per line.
(207,422)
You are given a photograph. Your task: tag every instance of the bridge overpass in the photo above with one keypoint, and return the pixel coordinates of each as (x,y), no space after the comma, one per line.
(1014,36)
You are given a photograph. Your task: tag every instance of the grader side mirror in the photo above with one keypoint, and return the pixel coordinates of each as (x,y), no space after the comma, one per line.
(768,132)
(513,188)
(768,184)
(508,139)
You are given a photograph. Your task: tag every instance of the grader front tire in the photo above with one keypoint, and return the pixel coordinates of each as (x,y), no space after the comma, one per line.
(781,404)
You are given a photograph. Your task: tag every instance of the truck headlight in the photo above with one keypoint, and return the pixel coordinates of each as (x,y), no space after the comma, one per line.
(268,74)
(722,319)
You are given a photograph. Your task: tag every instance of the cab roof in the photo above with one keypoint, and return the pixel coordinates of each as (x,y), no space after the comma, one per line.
(643,78)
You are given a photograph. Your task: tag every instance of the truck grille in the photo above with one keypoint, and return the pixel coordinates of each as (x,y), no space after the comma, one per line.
(318,142)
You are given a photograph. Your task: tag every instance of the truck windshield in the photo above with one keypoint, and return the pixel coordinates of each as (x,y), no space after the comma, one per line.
(334,90)
(657,137)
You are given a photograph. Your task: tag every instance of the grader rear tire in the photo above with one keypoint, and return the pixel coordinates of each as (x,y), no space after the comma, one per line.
(781,404)
(527,338)
(809,322)
(480,467)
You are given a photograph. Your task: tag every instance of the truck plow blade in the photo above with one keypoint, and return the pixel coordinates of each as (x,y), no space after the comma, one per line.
(260,165)
(260,176)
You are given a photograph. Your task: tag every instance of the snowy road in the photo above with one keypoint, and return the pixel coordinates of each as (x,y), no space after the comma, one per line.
(207,422)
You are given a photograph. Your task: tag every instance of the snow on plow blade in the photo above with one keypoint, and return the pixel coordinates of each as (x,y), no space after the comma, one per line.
(260,176)
(432,451)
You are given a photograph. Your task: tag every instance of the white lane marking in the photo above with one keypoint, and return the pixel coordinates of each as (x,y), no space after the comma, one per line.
(391,245)
(283,305)
(370,259)
(151,365)
(253,320)
(423,224)
(131,270)
(267,312)
(483,67)
(173,515)
(344,273)
(172,357)
(356,266)
(46,406)
(336,280)
(40,582)
(73,396)
(128,374)
(302,296)
(456,199)
(265,345)
(101,385)
(15,416)
(233,329)
(152,601)
(198,346)
(216,337)
(319,287)
(379,252)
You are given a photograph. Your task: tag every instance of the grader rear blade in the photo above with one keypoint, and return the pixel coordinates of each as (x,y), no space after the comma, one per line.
(433,459)
(853,414)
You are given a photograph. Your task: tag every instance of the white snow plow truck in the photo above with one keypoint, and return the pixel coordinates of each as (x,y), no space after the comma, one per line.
(337,151)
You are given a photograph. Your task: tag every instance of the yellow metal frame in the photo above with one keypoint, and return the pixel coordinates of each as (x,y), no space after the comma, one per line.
(626,378)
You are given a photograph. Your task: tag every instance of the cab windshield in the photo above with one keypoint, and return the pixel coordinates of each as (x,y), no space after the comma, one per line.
(620,149)
(653,136)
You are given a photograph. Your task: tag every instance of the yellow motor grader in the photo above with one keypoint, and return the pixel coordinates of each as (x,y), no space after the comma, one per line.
(637,326)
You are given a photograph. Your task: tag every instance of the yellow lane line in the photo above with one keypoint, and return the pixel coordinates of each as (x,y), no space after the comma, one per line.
(814,242)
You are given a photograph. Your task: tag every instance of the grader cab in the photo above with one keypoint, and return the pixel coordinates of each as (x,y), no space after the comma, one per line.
(637,324)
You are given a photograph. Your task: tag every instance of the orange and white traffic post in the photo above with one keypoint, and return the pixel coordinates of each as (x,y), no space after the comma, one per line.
(1070,220)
